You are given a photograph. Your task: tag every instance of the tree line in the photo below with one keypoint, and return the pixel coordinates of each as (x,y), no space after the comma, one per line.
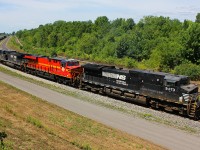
(157,43)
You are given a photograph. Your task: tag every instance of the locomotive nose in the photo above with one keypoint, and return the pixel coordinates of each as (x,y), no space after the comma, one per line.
(191,88)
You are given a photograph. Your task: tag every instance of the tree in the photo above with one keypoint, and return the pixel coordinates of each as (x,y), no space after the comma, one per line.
(192,52)
(122,47)
(130,24)
(86,43)
(101,21)
(52,39)
(197,18)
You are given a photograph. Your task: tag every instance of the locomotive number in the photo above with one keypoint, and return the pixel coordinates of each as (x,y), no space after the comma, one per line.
(170,89)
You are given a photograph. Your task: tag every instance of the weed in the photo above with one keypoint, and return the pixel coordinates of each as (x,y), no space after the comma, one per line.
(34,121)
(139,146)
(1,123)
(57,120)
(50,131)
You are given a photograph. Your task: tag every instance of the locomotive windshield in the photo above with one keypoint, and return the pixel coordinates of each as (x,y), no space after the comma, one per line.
(185,81)
(63,64)
(171,83)
(72,63)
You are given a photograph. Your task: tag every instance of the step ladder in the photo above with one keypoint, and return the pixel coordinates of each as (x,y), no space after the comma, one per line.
(192,110)
(192,106)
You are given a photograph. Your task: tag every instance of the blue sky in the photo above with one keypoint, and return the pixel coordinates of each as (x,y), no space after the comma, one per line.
(27,14)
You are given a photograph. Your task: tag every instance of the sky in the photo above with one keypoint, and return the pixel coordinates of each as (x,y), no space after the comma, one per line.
(18,15)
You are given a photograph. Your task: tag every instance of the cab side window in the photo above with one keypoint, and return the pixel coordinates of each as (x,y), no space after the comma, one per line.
(63,64)
(170,83)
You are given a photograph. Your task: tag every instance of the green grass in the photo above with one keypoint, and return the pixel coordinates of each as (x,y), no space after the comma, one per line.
(34,121)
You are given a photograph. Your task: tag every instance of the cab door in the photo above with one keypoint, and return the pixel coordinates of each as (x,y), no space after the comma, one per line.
(171,89)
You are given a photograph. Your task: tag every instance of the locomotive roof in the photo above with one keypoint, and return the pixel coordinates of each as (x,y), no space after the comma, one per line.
(175,77)
(17,53)
(166,76)
(35,55)
(95,66)
(8,51)
(57,58)
(149,72)
(112,69)
(64,60)
(115,70)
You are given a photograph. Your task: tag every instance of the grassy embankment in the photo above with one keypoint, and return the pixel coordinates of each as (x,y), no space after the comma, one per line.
(32,123)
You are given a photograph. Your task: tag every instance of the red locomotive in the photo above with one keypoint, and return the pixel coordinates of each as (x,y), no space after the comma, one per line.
(67,71)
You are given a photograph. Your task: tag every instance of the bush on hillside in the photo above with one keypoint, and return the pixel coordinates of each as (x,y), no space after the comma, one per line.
(188,69)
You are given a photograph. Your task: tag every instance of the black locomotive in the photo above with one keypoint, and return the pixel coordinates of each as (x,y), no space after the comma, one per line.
(154,89)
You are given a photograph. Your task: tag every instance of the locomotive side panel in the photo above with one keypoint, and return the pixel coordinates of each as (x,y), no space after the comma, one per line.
(93,74)
(116,78)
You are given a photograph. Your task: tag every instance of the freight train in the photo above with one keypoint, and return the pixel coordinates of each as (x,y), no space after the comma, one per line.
(157,90)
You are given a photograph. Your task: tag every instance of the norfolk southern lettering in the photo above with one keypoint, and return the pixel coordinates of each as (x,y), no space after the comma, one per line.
(121,79)
(113,75)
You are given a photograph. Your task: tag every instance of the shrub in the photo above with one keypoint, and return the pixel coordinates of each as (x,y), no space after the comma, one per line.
(188,69)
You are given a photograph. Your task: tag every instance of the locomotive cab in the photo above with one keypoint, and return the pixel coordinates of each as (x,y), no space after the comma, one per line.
(72,67)
(72,62)
(171,83)
(181,83)
(69,63)
(176,86)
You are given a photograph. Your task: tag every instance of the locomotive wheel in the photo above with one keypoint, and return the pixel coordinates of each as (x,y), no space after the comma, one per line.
(60,80)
